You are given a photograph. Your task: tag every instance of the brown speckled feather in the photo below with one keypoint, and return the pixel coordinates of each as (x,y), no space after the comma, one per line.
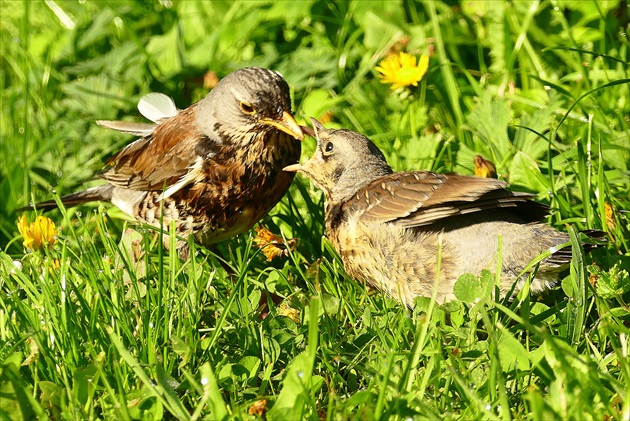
(215,168)
(159,159)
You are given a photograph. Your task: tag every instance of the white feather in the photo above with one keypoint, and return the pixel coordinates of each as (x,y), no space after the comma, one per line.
(156,107)
(189,177)
(126,200)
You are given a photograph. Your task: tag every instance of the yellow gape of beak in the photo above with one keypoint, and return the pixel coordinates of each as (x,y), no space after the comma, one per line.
(287,124)
(293,168)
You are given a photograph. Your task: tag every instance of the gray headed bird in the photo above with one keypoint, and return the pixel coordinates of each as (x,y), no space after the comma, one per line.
(400,232)
(215,168)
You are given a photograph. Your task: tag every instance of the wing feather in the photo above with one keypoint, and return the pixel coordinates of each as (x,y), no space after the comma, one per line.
(137,129)
(157,107)
(160,159)
(154,106)
(419,198)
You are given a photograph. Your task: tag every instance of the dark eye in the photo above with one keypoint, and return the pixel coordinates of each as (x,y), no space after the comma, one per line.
(247,108)
(328,148)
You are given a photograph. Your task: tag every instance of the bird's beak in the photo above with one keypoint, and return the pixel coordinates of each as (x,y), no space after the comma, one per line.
(287,124)
(293,168)
(317,126)
(308,131)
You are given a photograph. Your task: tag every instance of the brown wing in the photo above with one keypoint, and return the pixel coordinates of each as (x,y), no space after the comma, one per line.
(161,158)
(419,198)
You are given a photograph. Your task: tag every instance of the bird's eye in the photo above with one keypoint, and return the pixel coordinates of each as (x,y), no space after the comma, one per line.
(328,148)
(247,108)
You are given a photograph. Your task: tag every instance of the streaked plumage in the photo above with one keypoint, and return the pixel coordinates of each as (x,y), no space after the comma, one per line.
(388,227)
(214,167)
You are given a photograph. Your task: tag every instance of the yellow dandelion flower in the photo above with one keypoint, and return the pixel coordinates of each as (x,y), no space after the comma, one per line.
(38,234)
(53,265)
(258,408)
(287,311)
(34,352)
(401,70)
(484,168)
(271,245)
(610,211)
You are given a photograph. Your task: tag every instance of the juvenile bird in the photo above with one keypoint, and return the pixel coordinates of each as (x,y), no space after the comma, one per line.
(401,231)
(215,168)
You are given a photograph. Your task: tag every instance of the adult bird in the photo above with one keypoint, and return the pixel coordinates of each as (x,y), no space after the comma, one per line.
(408,232)
(215,168)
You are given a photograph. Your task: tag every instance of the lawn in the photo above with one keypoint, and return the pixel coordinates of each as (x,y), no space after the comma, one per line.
(106,324)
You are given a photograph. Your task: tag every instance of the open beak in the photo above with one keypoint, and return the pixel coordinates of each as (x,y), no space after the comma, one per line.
(308,131)
(287,124)
(317,127)
(293,168)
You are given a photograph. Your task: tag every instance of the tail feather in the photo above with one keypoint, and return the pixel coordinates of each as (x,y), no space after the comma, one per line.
(103,192)
(594,240)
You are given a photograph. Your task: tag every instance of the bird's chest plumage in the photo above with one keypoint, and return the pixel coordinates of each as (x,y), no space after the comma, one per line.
(387,256)
(359,245)
(240,189)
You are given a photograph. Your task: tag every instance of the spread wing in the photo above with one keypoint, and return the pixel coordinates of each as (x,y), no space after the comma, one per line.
(420,198)
(165,157)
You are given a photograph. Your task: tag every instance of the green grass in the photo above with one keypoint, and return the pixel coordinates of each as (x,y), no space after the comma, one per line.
(122,329)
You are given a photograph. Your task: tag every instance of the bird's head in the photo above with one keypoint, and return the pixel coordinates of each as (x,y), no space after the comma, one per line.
(343,162)
(246,102)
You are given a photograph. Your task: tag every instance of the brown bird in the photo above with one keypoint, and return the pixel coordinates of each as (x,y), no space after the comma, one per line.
(215,168)
(400,232)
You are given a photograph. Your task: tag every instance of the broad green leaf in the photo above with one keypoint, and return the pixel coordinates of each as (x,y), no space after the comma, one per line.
(318,102)
(524,172)
(576,307)
(297,388)
(164,50)
(16,395)
(468,288)
(488,121)
(512,353)
(613,282)
(212,394)
(247,366)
